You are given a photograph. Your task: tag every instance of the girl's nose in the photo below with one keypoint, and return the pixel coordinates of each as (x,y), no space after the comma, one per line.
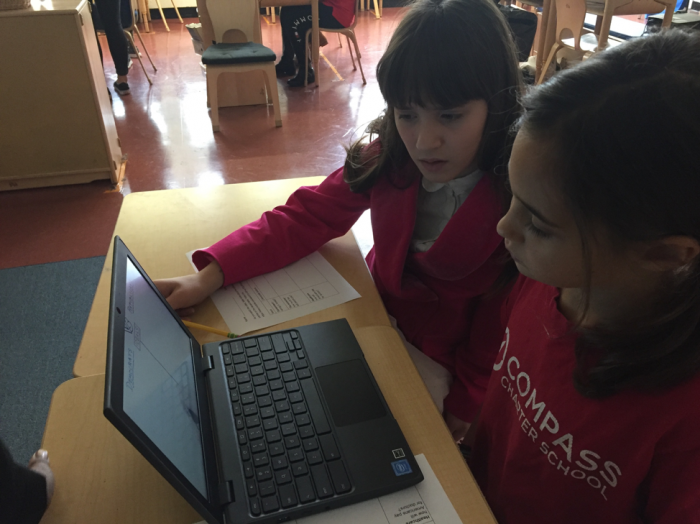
(428,138)
(508,229)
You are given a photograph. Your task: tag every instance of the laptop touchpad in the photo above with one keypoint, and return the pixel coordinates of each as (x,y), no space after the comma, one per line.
(349,393)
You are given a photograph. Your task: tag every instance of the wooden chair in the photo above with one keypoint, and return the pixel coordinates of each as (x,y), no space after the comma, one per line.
(606,9)
(571,15)
(349,33)
(378,6)
(237,22)
(160,8)
(145,14)
(128,30)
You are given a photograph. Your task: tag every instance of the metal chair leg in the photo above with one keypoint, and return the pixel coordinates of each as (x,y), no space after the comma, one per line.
(131,39)
(177,12)
(145,49)
(162,15)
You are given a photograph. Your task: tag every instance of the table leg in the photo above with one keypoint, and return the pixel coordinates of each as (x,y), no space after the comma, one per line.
(315,47)
(143,15)
(547,34)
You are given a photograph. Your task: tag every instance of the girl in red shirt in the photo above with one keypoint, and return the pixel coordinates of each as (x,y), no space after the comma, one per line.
(451,82)
(593,413)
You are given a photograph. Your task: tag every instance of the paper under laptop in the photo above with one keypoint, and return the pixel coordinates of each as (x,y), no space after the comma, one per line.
(424,503)
(309,285)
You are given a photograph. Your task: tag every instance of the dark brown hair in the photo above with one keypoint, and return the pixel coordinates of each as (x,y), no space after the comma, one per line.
(624,129)
(444,54)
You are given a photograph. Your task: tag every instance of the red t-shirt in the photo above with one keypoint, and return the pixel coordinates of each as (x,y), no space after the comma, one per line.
(545,454)
(343,10)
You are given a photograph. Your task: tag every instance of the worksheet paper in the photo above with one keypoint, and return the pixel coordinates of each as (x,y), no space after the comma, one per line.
(424,503)
(304,287)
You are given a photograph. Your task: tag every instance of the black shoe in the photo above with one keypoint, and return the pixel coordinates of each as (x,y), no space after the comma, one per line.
(133,51)
(298,81)
(285,68)
(122,89)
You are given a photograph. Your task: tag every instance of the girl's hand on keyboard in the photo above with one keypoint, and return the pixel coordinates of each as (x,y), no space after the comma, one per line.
(182,293)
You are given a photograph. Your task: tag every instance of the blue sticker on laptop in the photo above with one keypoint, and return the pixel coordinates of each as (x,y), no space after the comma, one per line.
(401,467)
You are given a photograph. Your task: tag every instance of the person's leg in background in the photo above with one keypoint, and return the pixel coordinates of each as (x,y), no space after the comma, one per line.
(289,16)
(109,11)
(295,21)
(300,25)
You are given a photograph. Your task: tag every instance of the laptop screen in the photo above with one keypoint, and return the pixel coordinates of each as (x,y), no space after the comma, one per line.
(159,387)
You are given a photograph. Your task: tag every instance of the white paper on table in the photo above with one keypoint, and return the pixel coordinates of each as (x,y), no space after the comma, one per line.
(424,503)
(309,285)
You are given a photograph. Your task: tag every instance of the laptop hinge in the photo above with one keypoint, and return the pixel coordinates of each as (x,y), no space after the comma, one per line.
(226,493)
(208,363)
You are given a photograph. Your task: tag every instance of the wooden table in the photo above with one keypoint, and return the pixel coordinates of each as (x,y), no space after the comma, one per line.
(159,227)
(101,478)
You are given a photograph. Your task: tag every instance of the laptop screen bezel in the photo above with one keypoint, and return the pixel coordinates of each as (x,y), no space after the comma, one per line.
(210,509)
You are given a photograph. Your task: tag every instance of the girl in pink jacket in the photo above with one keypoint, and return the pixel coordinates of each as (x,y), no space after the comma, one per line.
(433,181)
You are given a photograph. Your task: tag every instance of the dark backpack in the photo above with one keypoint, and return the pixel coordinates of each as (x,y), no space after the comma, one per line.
(523,25)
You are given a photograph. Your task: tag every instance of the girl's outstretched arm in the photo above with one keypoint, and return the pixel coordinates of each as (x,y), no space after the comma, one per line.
(311,217)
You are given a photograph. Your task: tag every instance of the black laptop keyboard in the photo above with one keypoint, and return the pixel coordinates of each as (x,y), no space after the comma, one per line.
(288,451)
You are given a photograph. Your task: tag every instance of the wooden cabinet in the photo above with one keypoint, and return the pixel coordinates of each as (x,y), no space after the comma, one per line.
(56,120)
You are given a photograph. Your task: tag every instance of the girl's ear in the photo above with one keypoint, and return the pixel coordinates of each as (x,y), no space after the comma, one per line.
(670,253)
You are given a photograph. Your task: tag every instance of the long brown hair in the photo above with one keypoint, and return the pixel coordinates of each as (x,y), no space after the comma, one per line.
(444,54)
(625,131)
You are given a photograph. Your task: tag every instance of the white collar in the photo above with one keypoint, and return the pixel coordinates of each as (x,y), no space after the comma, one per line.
(457,185)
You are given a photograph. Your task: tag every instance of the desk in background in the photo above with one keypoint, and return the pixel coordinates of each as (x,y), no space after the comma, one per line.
(56,121)
(159,227)
(101,478)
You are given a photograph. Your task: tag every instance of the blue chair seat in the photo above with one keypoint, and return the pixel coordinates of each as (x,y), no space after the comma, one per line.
(228,54)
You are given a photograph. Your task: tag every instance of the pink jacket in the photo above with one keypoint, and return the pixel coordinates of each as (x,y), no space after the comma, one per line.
(434,296)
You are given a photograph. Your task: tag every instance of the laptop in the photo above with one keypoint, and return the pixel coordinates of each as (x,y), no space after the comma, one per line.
(259,429)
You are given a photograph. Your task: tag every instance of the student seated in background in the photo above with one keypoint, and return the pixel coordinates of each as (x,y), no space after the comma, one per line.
(592,414)
(295,21)
(432,180)
(25,493)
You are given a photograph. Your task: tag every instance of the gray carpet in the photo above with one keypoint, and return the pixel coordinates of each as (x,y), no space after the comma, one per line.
(43,311)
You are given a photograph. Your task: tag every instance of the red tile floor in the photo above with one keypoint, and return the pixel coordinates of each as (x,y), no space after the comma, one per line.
(166,132)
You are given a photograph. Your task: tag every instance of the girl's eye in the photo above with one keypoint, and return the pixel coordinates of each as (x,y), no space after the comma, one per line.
(537,231)
(404,116)
(451,117)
